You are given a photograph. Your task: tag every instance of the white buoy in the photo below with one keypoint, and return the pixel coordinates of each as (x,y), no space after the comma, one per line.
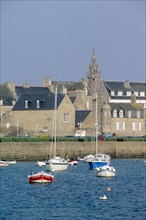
(103,197)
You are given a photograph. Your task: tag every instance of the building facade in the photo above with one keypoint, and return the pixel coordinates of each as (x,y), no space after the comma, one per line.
(121,107)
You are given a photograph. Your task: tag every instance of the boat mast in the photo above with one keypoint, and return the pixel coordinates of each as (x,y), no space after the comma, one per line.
(96,125)
(55,120)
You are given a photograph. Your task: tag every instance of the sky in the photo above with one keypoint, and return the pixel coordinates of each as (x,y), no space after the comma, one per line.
(56,38)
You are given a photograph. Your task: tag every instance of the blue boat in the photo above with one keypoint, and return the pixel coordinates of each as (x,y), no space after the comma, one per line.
(99,159)
(97,163)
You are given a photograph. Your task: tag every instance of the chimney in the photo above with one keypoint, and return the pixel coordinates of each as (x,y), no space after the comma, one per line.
(127,84)
(133,98)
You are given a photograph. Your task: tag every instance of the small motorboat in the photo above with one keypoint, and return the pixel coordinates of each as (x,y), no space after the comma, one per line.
(12,162)
(40,163)
(41,177)
(72,162)
(105,171)
(4,163)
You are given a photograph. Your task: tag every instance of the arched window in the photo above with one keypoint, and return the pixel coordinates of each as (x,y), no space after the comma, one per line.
(115,113)
(121,113)
(38,104)
(26,104)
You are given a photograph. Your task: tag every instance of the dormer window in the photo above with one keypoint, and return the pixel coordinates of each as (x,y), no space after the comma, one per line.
(121,113)
(26,104)
(129,114)
(115,113)
(38,104)
(138,114)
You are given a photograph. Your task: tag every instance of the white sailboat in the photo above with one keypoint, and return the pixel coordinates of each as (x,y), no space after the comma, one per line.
(99,159)
(56,163)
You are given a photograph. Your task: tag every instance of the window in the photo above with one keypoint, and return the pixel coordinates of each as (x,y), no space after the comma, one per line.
(116,92)
(129,114)
(26,104)
(138,114)
(115,113)
(120,126)
(120,93)
(128,93)
(87,105)
(141,93)
(136,126)
(38,104)
(121,113)
(66,117)
(124,93)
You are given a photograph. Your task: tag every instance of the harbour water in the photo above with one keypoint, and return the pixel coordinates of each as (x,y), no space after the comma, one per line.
(75,193)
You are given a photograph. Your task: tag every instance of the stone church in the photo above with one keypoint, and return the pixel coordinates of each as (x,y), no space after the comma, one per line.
(120,108)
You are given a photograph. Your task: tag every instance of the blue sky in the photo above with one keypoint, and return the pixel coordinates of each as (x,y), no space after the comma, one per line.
(56,38)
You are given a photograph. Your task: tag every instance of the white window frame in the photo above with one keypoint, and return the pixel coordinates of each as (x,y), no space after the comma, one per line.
(128,93)
(38,104)
(129,113)
(120,93)
(142,93)
(136,126)
(115,113)
(138,114)
(120,126)
(26,103)
(121,113)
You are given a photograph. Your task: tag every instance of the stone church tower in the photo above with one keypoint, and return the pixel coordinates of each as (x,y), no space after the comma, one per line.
(95,86)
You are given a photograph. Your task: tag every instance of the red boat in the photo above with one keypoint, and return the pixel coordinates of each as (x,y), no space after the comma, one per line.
(41,177)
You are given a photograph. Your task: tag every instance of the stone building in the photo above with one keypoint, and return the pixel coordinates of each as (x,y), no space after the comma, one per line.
(121,106)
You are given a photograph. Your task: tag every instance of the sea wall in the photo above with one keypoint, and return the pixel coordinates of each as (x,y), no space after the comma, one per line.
(32,151)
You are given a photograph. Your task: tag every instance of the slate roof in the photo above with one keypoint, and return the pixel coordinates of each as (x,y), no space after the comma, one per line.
(122,106)
(71,86)
(80,116)
(119,86)
(46,102)
(20,90)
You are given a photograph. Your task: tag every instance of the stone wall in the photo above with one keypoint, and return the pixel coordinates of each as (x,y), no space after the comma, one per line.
(34,151)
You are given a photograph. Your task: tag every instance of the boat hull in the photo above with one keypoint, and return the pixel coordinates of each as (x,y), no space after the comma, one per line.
(95,164)
(4,163)
(105,171)
(41,177)
(40,163)
(105,174)
(57,165)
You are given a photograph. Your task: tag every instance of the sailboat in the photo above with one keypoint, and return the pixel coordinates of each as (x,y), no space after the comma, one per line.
(99,159)
(56,163)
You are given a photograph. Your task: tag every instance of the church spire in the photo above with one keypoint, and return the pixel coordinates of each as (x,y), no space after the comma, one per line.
(93,59)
